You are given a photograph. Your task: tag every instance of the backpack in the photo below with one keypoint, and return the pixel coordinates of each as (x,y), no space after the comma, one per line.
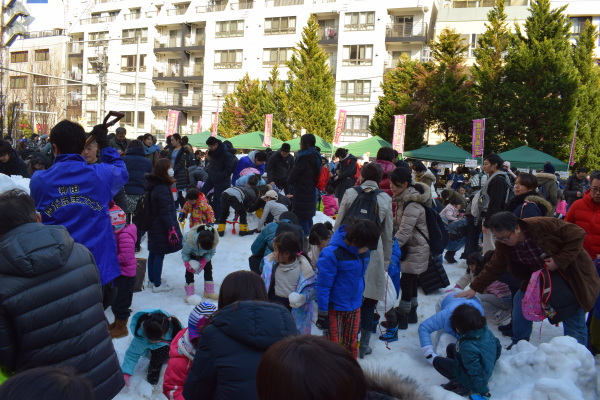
(531,305)
(549,295)
(438,233)
(142,215)
(324,177)
(484,198)
(542,192)
(364,206)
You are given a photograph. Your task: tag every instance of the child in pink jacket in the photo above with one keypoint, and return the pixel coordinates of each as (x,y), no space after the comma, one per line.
(125,236)
(330,203)
(183,349)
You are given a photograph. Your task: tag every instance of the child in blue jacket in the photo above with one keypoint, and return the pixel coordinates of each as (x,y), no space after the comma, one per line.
(199,247)
(153,330)
(341,281)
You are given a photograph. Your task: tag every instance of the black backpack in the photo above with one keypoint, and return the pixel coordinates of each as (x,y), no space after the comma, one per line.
(364,206)
(438,233)
(142,215)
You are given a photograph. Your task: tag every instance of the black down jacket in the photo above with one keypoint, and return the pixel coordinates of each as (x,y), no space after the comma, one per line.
(231,347)
(182,161)
(51,307)
(221,164)
(303,179)
(163,216)
(14,166)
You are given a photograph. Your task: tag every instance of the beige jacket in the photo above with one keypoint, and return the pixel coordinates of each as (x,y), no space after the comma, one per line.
(407,220)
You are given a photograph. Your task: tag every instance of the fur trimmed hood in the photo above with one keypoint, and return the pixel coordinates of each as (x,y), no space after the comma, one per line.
(544,177)
(542,203)
(389,385)
(413,194)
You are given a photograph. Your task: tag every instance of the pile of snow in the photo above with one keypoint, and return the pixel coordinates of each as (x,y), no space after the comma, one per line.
(13,182)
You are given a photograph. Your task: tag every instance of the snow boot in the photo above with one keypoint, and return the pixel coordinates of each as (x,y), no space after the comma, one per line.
(112,326)
(209,291)
(390,335)
(412,317)
(376,318)
(120,329)
(449,257)
(402,319)
(221,230)
(365,338)
(244,230)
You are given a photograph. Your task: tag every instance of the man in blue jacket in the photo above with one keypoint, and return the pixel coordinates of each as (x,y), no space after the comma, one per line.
(76,195)
(254,159)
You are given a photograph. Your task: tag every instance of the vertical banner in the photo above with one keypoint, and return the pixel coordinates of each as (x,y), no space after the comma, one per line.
(172,119)
(399,129)
(339,127)
(268,130)
(215,124)
(199,127)
(478,137)
(572,156)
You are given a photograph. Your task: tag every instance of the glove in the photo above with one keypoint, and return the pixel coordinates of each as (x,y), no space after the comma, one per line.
(296,299)
(485,396)
(100,134)
(202,264)
(451,290)
(127,378)
(323,321)
(181,217)
(173,237)
(429,353)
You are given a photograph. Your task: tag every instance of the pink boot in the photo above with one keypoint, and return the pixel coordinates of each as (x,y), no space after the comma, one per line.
(209,291)
(190,296)
(189,290)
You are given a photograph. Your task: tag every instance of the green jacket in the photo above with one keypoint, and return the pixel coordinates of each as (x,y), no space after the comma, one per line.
(475,356)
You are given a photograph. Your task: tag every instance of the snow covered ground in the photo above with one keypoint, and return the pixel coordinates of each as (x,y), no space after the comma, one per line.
(546,368)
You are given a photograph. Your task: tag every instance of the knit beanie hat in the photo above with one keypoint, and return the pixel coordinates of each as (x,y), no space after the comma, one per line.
(549,168)
(199,317)
(117,218)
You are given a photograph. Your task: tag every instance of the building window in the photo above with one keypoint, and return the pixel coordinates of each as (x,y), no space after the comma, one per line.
(276,56)
(280,25)
(128,63)
(228,59)
(40,80)
(356,90)
(229,29)
(92,117)
(358,55)
(128,119)
(357,125)
(98,39)
(42,55)
(18,56)
(18,82)
(224,87)
(359,21)
(472,41)
(578,23)
(129,36)
(92,93)
(127,90)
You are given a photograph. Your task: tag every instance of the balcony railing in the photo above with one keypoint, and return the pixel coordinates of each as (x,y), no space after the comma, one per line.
(97,20)
(132,16)
(97,42)
(133,40)
(225,34)
(281,3)
(39,34)
(360,27)
(166,71)
(198,40)
(176,11)
(131,68)
(216,7)
(151,14)
(228,65)
(169,100)
(194,101)
(76,75)
(75,48)
(194,70)
(328,33)
(167,42)
(406,30)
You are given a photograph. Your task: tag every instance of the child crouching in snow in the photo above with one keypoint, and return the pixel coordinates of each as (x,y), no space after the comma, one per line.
(183,349)
(290,279)
(470,361)
(197,208)
(199,247)
(153,330)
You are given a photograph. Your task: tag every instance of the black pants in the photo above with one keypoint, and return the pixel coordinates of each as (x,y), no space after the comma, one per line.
(109,292)
(219,188)
(445,365)
(408,286)
(367,313)
(473,232)
(157,358)
(122,302)
(208,276)
(227,201)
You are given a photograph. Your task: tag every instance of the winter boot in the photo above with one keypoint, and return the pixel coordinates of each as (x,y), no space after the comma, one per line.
(402,319)
(221,230)
(365,338)
(412,314)
(376,318)
(209,291)
(390,335)
(244,230)
(120,329)
(112,326)
(449,257)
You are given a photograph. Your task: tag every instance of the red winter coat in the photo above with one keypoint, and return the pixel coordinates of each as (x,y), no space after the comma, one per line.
(126,239)
(585,213)
(387,167)
(177,369)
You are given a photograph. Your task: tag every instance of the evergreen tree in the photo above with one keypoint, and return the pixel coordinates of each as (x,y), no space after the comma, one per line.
(542,82)
(244,109)
(399,87)
(279,106)
(451,105)
(587,148)
(311,86)
(488,72)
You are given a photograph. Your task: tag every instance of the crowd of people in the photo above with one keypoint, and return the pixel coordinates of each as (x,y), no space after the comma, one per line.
(68,252)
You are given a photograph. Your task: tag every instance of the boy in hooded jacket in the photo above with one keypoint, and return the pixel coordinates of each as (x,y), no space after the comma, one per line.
(199,247)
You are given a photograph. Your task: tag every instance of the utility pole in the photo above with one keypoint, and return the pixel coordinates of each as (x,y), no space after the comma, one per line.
(135,88)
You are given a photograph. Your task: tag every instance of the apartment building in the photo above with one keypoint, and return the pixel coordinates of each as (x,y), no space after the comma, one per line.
(580,11)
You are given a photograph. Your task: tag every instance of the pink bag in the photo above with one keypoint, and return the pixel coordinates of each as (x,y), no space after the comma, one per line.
(531,304)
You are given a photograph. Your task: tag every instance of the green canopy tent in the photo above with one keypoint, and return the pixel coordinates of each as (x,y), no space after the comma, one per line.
(526,157)
(199,139)
(321,143)
(253,141)
(444,152)
(370,145)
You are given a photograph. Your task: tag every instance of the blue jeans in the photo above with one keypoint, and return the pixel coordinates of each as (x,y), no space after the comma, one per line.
(573,326)
(306,225)
(455,245)
(155,265)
